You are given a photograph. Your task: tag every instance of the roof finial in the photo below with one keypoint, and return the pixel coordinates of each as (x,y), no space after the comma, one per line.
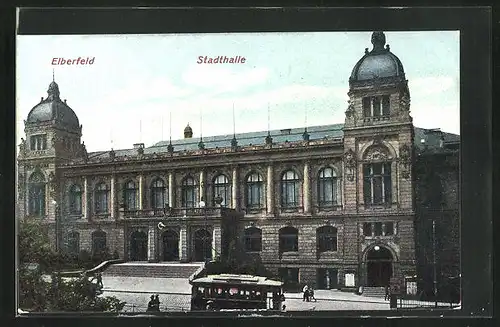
(378,40)
(305,135)
(234,142)
(53,78)
(269,139)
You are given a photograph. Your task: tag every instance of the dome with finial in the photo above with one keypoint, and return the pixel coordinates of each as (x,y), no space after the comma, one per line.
(53,108)
(380,62)
(188,132)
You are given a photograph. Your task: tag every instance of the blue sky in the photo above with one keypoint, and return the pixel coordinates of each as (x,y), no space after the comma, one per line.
(138,81)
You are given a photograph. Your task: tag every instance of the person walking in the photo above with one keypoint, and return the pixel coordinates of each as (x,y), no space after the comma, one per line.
(151,304)
(305,296)
(386,293)
(311,294)
(157,303)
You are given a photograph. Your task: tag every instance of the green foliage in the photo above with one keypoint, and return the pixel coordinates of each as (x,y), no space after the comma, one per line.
(79,294)
(38,295)
(238,261)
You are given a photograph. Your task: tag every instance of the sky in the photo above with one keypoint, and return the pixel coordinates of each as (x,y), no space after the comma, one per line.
(144,88)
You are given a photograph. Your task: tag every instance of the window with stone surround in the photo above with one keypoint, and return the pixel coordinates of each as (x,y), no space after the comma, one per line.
(289,275)
(101,204)
(38,142)
(75,200)
(158,194)
(254,191)
(130,196)
(289,239)
(290,185)
(98,243)
(253,239)
(222,188)
(73,243)
(378,229)
(36,194)
(377,187)
(376,106)
(326,238)
(188,193)
(328,188)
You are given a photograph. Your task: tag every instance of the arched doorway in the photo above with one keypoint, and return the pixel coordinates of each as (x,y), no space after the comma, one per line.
(138,246)
(170,245)
(202,245)
(378,266)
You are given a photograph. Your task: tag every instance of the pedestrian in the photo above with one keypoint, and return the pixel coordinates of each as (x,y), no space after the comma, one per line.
(386,293)
(151,304)
(305,296)
(311,294)
(157,303)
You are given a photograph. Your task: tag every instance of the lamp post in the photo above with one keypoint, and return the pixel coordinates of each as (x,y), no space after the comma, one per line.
(434,260)
(56,217)
(204,208)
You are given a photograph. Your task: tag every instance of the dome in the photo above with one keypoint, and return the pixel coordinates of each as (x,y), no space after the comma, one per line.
(380,62)
(188,132)
(52,108)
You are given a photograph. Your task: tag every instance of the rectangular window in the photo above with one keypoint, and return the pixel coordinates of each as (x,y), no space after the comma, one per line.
(289,275)
(367,107)
(389,228)
(376,107)
(378,229)
(38,142)
(367,229)
(385,105)
(377,183)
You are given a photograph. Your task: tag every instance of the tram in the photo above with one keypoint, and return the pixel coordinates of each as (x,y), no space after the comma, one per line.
(236,292)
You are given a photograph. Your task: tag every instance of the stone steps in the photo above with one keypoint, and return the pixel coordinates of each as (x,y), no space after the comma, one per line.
(374,291)
(153,270)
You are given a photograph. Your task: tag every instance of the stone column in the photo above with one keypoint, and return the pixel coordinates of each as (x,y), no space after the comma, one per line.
(171,190)
(152,243)
(141,182)
(306,191)
(270,189)
(183,244)
(202,188)
(86,198)
(234,189)
(113,197)
(216,241)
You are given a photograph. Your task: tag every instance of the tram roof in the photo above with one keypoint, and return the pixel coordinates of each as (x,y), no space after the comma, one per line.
(233,279)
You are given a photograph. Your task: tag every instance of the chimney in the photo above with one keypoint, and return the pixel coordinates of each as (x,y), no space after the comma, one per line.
(64,101)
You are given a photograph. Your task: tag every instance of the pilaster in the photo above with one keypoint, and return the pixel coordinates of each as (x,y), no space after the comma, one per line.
(234,189)
(270,189)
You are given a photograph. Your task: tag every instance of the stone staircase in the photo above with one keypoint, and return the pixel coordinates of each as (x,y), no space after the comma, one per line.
(374,291)
(153,270)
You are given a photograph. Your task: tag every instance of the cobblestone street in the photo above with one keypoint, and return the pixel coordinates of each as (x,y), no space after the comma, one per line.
(174,295)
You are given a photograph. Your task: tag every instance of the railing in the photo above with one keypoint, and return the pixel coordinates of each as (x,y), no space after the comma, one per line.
(328,207)
(254,210)
(291,209)
(170,212)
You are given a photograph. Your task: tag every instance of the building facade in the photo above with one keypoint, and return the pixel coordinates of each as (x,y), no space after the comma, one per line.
(334,205)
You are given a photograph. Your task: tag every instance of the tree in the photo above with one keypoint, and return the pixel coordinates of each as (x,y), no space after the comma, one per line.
(38,292)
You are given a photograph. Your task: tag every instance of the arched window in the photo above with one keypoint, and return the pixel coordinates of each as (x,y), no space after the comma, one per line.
(221,188)
(73,243)
(101,199)
(377,186)
(327,188)
(36,195)
(289,239)
(290,190)
(158,194)
(326,238)
(75,200)
(254,191)
(188,193)
(253,239)
(130,196)
(98,243)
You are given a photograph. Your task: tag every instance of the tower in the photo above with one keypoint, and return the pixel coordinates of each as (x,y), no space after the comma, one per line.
(53,136)
(378,156)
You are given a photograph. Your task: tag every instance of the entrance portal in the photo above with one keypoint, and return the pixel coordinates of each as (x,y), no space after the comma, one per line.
(139,246)
(379,266)
(170,246)
(326,278)
(202,245)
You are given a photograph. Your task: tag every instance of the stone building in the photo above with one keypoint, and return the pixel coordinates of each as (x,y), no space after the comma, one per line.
(334,205)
